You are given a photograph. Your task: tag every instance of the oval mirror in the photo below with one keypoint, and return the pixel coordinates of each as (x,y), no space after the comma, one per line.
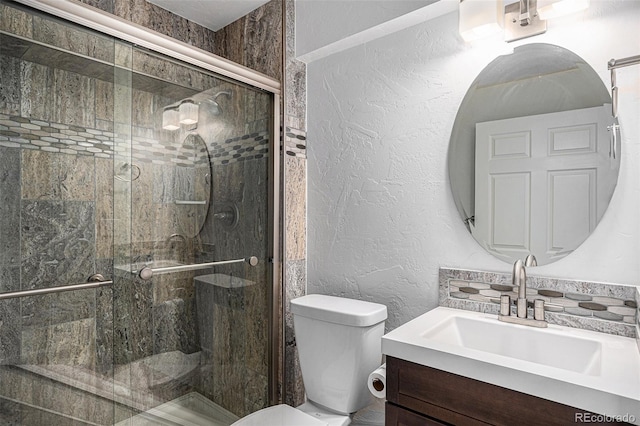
(532,163)
(191,185)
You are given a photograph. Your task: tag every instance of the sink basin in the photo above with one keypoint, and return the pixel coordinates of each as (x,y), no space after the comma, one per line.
(553,349)
(580,368)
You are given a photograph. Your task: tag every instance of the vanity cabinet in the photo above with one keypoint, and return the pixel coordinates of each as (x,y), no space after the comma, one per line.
(421,396)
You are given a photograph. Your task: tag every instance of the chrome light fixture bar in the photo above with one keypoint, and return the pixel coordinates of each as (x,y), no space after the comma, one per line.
(520,19)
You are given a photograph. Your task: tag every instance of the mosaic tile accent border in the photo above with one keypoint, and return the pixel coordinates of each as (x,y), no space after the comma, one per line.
(295,143)
(638,317)
(603,307)
(242,148)
(24,133)
(20,132)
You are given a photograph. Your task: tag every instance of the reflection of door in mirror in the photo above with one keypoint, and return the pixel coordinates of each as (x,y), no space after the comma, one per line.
(543,182)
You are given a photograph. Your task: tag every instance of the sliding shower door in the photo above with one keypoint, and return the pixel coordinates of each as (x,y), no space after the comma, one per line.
(190,329)
(135,233)
(56,172)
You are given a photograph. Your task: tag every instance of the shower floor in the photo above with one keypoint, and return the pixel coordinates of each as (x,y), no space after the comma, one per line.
(191,409)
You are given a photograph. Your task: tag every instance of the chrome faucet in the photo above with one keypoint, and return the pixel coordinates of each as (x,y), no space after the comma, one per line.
(530,260)
(519,278)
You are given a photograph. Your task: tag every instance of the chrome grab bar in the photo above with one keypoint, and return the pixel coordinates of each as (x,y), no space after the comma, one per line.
(147,273)
(612,65)
(624,62)
(94,281)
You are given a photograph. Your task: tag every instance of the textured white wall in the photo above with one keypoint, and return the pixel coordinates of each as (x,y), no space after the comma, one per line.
(381,214)
(321,23)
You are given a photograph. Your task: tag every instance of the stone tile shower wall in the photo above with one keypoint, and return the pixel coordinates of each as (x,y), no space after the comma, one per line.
(57,147)
(157,19)
(295,195)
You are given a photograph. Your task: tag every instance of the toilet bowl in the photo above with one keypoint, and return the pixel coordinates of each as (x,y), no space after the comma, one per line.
(338,343)
(279,415)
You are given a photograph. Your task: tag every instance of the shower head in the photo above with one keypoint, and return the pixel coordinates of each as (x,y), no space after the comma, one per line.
(213,105)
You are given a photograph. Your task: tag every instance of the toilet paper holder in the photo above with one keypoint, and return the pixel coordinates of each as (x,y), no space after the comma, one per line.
(378,384)
(377,381)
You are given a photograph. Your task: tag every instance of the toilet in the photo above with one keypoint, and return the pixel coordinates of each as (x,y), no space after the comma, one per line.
(338,342)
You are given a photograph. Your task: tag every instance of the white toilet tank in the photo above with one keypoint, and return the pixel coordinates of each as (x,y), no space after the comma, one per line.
(339,344)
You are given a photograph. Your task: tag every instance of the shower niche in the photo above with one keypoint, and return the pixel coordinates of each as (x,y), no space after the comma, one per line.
(94,179)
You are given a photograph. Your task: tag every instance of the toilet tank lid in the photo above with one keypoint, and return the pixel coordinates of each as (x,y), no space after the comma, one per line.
(339,310)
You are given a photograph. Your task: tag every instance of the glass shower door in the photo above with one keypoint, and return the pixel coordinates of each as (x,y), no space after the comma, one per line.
(56,162)
(191,304)
(154,174)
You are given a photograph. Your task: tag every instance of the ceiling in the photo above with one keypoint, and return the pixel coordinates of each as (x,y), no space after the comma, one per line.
(213,14)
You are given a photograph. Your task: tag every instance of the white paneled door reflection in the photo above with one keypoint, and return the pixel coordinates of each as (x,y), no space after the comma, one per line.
(542,182)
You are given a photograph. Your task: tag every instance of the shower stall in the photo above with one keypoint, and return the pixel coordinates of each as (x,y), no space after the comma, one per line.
(138,225)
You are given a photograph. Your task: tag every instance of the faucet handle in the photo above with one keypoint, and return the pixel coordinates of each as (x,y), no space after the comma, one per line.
(505,305)
(538,309)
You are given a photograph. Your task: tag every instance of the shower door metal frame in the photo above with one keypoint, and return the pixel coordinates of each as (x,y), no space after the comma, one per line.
(106,23)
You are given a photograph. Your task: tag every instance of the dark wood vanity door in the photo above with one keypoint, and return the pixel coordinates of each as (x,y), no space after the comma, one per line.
(395,415)
(414,390)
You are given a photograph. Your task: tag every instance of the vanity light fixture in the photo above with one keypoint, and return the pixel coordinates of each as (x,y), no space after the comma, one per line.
(548,9)
(520,19)
(188,112)
(171,118)
(479,18)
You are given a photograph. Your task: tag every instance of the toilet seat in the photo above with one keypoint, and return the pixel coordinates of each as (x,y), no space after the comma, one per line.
(279,415)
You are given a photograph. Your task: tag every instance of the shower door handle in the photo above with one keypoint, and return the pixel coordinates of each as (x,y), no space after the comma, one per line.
(94,281)
(147,273)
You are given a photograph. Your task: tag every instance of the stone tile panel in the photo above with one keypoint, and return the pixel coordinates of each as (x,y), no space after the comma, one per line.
(58,242)
(10,319)
(16,21)
(36,94)
(295,287)
(10,87)
(10,179)
(295,207)
(133,319)
(173,324)
(71,38)
(73,99)
(104,208)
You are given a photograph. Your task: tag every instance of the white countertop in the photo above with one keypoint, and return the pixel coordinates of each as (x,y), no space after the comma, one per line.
(612,388)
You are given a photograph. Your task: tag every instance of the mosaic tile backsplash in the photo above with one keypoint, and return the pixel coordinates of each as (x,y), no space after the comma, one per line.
(608,308)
